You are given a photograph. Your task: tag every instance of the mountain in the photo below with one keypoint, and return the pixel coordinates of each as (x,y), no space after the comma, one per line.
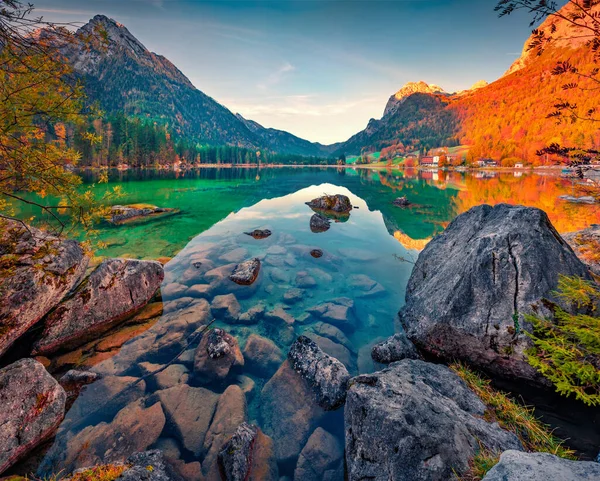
(409,89)
(122,75)
(507,118)
(282,141)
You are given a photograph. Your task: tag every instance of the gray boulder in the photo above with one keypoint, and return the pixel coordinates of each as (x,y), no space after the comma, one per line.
(327,376)
(33,405)
(246,272)
(36,272)
(472,285)
(416,421)
(519,466)
(394,349)
(114,291)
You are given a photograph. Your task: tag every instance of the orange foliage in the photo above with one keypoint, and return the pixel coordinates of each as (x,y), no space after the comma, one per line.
(533,191)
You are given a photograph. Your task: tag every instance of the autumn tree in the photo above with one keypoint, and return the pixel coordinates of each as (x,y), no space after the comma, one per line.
(577,22)
(38,97)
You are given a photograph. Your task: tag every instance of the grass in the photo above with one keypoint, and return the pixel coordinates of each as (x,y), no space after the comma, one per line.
(511,416)
(105,472)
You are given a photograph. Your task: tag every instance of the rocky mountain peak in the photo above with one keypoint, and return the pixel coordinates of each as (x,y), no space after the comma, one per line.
(409,89)
(116,34)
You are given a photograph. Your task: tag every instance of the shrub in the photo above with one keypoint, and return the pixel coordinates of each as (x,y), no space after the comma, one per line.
(512,416)
(566,348)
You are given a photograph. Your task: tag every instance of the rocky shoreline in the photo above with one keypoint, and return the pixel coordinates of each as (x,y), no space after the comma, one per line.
(415,419)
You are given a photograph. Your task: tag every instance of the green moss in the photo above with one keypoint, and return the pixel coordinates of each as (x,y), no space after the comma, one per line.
(566,347)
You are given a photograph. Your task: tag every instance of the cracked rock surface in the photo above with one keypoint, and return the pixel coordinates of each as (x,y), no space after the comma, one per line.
(116,289)
(472,285)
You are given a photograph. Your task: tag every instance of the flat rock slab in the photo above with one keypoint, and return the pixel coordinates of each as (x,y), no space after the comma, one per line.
(33,405)
(519,466)
(416,421)
(472,285)
(289,412)
(36,273)
(115,290)
(189,411)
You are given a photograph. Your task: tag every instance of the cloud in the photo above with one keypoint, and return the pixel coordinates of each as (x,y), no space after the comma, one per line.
(64,11)
(296,105)
(277,76)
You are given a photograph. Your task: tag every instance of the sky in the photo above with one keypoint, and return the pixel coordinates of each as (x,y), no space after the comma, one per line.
(319,69)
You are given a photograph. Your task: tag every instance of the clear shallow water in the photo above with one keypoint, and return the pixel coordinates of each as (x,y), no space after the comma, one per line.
(374,246)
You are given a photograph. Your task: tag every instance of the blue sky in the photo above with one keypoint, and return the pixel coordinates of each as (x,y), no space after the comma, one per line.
(318,69)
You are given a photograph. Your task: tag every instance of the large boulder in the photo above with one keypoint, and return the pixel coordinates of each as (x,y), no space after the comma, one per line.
(248,456)
(472,285)
(289,412)
(520,466)
(416,421)
(327,376)
(114,291)
(36,271)
(33,405)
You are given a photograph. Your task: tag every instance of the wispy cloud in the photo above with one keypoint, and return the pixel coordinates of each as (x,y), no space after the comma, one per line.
(277,76)
(64,11)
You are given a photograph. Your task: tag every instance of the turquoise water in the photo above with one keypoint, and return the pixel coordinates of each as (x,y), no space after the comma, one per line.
(367,262)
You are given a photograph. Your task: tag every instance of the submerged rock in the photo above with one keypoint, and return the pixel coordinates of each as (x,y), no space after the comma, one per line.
(259,233)
(339,312)
(115,290)
(473,284)
(327,376)
(33,405)
(519,466)
(316,253)
(225,307)
(216,354)
(73,382)
(394,349)
(319,223)
(230,413)
(248,456)
(36,271)
(289,412)
(262,356)
(416,420)
(321,458)
(122,214)
(133,429)
(246,273)
(189,411)
(336,203)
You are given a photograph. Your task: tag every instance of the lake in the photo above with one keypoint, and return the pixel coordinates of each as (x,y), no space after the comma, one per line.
(346,300)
